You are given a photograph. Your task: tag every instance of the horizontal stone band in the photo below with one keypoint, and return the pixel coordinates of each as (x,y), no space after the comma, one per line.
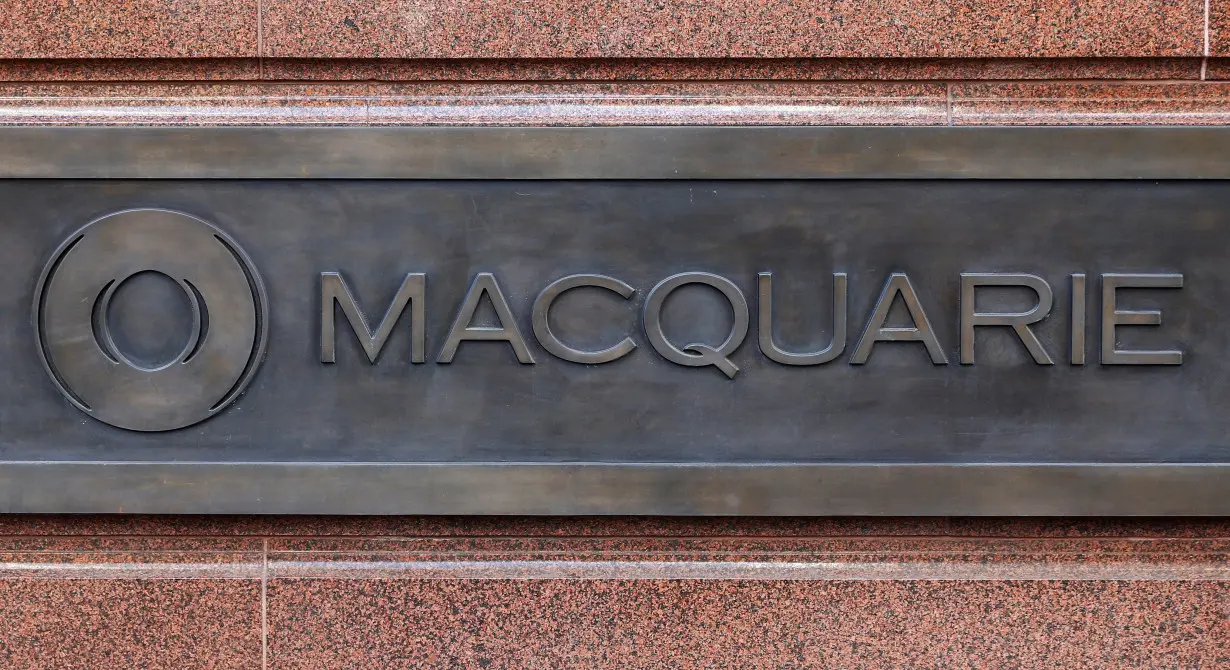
(603,488)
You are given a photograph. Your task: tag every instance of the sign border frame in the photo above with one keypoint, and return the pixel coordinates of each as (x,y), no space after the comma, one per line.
(615,152)
(668,489)
(627,152)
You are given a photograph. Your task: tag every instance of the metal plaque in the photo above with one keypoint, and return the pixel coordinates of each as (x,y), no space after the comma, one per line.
(615,321)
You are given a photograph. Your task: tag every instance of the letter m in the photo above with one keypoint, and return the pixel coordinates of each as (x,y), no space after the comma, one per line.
(334,291)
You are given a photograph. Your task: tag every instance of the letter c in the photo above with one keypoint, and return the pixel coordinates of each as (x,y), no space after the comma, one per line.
(553,345)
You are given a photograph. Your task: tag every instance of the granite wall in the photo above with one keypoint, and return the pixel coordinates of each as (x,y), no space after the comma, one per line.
(281,592)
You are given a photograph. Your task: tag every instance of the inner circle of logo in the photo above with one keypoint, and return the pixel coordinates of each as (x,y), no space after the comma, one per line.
(84,311)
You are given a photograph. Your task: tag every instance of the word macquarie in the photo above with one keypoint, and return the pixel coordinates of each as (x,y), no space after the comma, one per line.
(336,296)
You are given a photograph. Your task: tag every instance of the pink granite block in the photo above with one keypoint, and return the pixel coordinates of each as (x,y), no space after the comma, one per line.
(747,103)
(730,28)
(899,558)
(130,623)
(60,558)
(574,104)
(130,69)
(722,69)
(129,29)
(169,603)
(152,104)
(695,623)
(593,69)
(1219,28)
(1217,68)
(92,546)
(1090,104)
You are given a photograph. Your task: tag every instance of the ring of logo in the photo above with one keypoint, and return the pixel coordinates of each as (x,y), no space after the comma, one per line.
(229,330)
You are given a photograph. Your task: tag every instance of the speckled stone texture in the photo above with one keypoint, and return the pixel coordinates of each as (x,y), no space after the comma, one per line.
(622,103)
(617,103)
(115,591)
(597,69)
(1217,68)
(130,603)
(127,602)
(1038,103)
(493,624)
(624,28)
(1219,28)
(151,104)
(716,69)
(494,592)
(151,69)
(130,623)
(730,28)
(128,29)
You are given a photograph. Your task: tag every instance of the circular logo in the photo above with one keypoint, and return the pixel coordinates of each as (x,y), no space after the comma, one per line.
(150,320)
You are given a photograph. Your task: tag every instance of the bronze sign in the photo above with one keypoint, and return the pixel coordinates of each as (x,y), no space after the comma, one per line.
(525,342)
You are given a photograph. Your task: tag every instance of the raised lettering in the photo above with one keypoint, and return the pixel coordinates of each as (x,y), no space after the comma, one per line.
(1113,317)
(1017,321)
(542,326)
(898,284)
(333,290)
(1078,320)
(697,354)
(485,284)
(779,355)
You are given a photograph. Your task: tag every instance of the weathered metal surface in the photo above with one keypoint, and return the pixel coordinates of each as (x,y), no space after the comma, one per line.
(623,347)
(616,153)
(605,488)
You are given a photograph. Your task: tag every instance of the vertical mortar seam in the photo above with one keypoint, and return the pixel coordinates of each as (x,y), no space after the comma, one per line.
(1206,28)
(1204,62)
(948,101)
(264,603)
